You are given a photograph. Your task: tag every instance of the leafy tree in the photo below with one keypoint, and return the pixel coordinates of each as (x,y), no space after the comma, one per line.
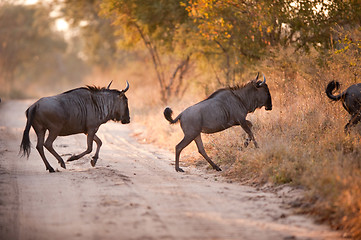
(238,32)
(25,36)
(343,61)
(31,51)
(158,24)
(224,35)
(96,33)
(232,31)
(311,23)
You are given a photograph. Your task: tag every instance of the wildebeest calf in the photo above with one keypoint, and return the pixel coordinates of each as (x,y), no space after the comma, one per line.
(81,110)
(351,101)
(225,108)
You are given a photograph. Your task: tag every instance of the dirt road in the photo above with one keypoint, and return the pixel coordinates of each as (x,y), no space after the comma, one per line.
(132,193)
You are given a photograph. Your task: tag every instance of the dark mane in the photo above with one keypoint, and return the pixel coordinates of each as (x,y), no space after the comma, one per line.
(236,87)
(216,93)
(92,89)
(95,88)
(232,88)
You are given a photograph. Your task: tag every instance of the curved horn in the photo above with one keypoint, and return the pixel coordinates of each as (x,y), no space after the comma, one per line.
(127,87)
(257,76)
(264,80)
(109,84)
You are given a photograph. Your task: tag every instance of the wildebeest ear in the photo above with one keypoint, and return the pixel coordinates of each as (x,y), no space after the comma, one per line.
(255,83)
(109,84)
(258,84)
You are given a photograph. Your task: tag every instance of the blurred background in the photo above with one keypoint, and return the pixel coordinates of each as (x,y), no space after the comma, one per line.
(177,52)
(50,46)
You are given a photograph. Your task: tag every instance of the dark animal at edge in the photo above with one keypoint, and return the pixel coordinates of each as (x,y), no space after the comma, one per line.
(225,108)
(351,101)
(80,110)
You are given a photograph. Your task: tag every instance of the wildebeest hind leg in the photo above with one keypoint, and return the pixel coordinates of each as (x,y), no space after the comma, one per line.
(49,146)
(180,146)
(90,137)
(40,147)
(355,118)
(95,157)
(201,150)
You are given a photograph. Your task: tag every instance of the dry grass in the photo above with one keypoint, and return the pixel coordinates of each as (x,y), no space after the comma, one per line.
(302,140)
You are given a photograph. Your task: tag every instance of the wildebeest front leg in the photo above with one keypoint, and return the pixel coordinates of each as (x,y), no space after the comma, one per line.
(246,125)
(95,157)
(201,150)
(90,138)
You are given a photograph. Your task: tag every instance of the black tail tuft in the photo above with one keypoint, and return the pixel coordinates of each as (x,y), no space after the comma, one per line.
(25,146)
(333,85)
(168,115)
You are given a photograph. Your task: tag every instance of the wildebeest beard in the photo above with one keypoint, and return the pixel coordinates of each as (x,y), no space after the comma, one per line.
(123,119)
(268,106)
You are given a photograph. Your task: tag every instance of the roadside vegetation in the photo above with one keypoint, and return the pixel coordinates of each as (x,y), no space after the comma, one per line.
(176,53)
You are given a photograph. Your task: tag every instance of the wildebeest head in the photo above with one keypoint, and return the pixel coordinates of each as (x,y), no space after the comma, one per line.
(263,93)
(121,110)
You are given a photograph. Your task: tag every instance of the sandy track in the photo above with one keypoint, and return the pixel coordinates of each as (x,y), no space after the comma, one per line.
(132,193)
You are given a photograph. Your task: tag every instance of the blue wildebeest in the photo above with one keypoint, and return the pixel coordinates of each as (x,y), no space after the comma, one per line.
(351,101)
(80,110)
(224,108)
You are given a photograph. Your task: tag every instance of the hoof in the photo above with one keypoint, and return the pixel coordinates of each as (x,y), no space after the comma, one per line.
(72,158)
(246,144)
(51,169)
(63,165)
(93,162)
(218,169)
(179,170)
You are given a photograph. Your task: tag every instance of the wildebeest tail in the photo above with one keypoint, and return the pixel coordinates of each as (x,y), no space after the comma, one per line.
(25,145)
(333,85)
(168,115)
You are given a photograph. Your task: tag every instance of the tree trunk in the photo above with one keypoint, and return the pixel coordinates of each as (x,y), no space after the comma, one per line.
(167,90)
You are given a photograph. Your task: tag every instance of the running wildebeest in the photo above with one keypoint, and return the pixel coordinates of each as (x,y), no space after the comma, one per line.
(351,101)
(224,108)
(80,110)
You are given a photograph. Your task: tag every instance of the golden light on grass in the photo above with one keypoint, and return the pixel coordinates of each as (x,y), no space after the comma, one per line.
(302,141)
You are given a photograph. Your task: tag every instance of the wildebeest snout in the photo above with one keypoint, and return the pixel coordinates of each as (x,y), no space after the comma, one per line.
(268,105)
(268,108)
(125,121)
